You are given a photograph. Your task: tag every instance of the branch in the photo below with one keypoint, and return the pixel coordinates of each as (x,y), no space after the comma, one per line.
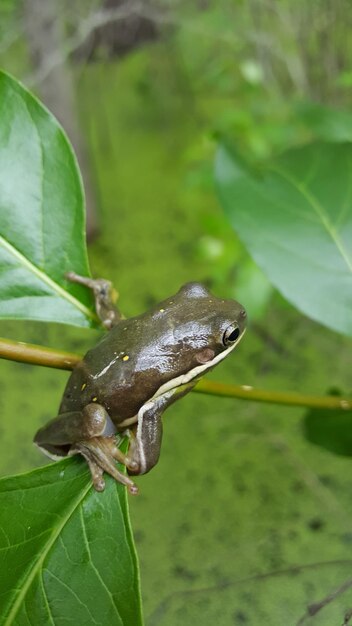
(41,355)
(103,17)
(86,27)
(288,398)
(185,594)
(313,609)
(37,355)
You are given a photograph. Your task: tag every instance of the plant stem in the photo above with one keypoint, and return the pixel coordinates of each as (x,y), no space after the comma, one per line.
(37,355)
(40,355)
(288,398)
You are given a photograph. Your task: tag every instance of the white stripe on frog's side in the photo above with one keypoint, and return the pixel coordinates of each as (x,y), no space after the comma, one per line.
(166,391)
(103,371)
(50,455)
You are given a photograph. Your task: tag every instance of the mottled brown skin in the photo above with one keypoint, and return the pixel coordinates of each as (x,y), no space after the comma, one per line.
(118,382)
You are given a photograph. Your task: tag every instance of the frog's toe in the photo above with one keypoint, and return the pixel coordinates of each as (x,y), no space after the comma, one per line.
(97,476)
(125,459)
(112,448)
(100,454)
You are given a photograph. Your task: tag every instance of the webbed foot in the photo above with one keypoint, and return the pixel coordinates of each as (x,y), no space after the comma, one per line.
(105,298)
(92,434)
(101,454)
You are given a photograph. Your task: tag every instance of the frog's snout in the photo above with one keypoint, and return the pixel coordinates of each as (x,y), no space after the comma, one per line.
(242,319)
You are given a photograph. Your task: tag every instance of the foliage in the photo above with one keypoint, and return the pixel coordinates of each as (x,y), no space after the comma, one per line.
(51,519)
(278,499)
(46,211)
(296,223)
(65,550)
(280,502)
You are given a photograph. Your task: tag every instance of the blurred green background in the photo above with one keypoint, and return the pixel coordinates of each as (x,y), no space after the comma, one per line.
(242,521)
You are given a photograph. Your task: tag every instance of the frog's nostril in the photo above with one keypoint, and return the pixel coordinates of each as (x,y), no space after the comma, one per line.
(243,313)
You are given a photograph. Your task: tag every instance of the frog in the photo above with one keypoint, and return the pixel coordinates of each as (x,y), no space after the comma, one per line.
(141,366)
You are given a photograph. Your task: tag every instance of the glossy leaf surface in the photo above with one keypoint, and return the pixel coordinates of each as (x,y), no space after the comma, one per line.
(295,218)
(42,219)
(66,551)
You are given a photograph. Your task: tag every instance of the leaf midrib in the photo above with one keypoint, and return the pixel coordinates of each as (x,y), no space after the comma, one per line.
(319,211)
(60,291)
(38,564)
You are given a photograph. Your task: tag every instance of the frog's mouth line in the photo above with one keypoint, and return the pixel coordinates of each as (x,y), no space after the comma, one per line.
(197,371)
(168,387)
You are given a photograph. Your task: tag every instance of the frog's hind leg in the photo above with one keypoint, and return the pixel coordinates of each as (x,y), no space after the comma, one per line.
(105,298)
(91,433)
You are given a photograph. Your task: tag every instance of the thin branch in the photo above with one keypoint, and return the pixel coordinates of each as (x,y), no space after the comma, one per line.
(287,398)
(316,607)
(37,355)
(155,617)
(104,17)
(41,355)
(85,28)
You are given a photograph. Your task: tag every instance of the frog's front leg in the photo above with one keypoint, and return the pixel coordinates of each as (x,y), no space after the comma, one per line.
(145,444)
(89,432)
(105,298)
(144,448)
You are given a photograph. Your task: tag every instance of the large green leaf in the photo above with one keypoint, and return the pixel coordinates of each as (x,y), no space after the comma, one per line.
(296,220)
(66,551)
(42,219)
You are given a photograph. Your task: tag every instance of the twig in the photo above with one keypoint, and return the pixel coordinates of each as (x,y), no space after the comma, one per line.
(41,355)
(347,618)
(37,355)
(314,608)
(288,398)
(108,16)
(160,610)
(85,28)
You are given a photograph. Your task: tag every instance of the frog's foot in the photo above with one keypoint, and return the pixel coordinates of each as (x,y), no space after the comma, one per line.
(134,466)
(101,454)
(91,433)
(105,297)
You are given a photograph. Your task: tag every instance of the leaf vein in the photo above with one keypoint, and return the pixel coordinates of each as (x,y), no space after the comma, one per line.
(86,542)
(60,291)
(70,590)
(346,203)
(319,210)
(39,562)
(46,599)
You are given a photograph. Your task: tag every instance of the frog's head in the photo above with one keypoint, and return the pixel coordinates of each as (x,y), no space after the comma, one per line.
(197,331)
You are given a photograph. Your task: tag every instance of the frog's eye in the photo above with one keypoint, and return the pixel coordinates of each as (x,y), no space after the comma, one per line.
(231,334)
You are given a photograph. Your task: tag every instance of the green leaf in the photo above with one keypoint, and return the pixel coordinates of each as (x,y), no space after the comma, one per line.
(42,219)
(329,429)
(296,221)
(66,552)
(253,288)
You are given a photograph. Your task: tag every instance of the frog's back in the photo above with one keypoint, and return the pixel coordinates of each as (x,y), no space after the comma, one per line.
(181,335)
(121,372)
